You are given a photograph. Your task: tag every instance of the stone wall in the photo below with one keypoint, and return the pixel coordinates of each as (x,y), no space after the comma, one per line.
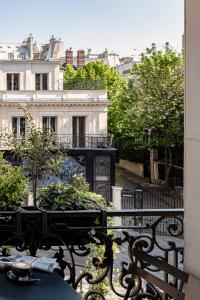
(132,167)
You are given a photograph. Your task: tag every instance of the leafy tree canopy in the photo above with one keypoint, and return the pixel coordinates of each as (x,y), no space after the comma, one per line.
(94,71)
(153,99)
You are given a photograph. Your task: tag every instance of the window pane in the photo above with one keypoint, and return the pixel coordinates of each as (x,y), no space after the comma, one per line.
(44,81)
(37,82)
(81,126)
(74,130)
(45,122)
(22,126)
(53,124)
(14,125)
(16,82)
(9,82)
(81,131)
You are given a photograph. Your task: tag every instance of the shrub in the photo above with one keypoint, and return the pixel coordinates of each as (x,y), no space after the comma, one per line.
(75,196)
(13,185)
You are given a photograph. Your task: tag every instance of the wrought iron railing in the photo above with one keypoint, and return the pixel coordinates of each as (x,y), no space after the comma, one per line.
(85,85)
(150,198)
(94,253)
(96,141)
(85,141)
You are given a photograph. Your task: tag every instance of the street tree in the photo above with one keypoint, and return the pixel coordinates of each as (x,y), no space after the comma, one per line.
(153,101)
(38,150)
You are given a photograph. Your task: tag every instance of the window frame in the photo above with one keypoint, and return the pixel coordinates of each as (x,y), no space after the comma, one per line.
(19,129)
(41,83)
(49,123)
(11,56)
(13,82)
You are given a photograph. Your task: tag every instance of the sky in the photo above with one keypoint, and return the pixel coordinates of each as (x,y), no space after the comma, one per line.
(123,26)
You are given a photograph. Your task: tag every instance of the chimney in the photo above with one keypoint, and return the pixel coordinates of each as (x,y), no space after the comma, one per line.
(30,46)
(80,58)
(69,57)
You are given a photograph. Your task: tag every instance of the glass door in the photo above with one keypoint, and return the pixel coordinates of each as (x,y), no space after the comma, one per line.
(78,124)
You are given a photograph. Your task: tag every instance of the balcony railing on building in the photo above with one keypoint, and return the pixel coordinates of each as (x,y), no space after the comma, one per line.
(83,141)
(86,141)
(85,85)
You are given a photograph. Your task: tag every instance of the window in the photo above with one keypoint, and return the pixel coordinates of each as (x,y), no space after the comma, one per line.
(12,82)
(19,125)
(10,56)
(78,128)
(23,55)
(49,124)
(41,82)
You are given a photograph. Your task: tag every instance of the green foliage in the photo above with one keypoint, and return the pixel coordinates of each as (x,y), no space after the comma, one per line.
(112,81)
(13,185)
(153,100)
(103,287)
(131,148)
(152,103)
(69,75)
(38,150)
(74,196)
(96,260)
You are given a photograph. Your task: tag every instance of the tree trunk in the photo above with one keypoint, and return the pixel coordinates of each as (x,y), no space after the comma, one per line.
(168,162)
(34,187)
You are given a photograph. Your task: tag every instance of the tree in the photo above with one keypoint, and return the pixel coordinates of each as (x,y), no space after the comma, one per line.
(93,72)
(69,75)
(153,101)
(39,152)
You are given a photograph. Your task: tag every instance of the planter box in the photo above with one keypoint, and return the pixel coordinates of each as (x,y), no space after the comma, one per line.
(33,229)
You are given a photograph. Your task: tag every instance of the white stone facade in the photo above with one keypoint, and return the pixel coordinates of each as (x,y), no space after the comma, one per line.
(39,84)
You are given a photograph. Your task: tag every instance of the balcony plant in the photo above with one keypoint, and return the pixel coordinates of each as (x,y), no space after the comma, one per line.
(13,185)
(75,196)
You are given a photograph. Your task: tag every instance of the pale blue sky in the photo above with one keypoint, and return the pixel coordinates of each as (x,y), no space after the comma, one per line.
(119,25)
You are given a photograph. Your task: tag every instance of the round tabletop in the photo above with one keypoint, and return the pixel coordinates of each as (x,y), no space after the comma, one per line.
(50,287)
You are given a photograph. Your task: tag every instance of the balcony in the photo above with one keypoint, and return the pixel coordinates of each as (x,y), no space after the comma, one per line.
(75,238)
(98,141)
(54,96)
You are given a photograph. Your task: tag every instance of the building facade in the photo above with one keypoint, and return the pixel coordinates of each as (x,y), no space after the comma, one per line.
(31,74)
(82,58)
(122,65)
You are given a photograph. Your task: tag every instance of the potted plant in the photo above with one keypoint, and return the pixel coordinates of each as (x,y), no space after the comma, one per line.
(13,185)
(76,198)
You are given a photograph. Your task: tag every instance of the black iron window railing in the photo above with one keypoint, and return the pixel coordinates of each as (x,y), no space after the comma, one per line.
(81,141)
(85,85)
(85,141)
(96,255)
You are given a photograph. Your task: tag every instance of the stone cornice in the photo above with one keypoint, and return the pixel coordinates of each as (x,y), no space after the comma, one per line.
(57,62)
(68,103)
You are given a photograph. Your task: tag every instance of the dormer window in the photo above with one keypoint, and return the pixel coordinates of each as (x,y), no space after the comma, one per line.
(23,55)
(12,82)
(10,56)
(41,82)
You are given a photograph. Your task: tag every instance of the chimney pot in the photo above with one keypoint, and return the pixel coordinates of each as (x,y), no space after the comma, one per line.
(80,58)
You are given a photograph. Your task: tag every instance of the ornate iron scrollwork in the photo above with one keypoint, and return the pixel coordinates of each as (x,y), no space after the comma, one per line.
(72,245)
